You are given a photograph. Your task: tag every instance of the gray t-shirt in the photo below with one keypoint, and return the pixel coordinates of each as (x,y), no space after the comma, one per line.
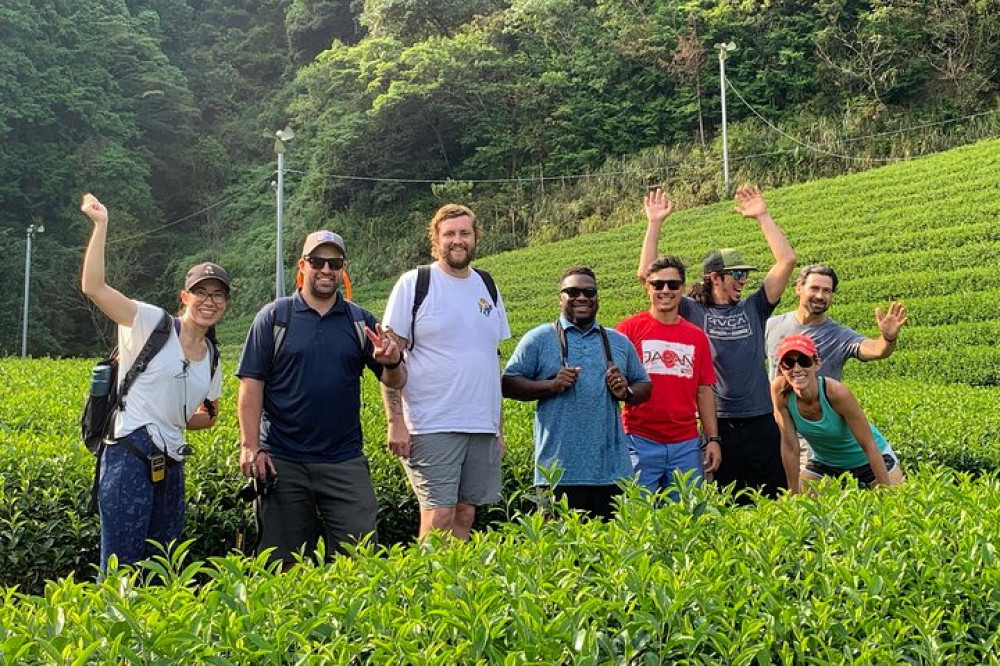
(736,333)
(834,342)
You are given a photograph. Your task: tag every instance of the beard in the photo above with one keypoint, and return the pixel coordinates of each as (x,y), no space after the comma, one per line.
(459,263)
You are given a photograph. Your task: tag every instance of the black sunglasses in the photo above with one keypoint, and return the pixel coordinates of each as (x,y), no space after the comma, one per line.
(573,292)
(738,273)
(335,263)
(672,285)
(788,362)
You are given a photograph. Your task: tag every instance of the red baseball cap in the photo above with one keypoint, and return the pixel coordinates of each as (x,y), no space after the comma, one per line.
(797,343)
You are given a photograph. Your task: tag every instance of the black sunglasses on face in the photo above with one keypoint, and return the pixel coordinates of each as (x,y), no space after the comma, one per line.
(658,285)
(573,292)
(738,274)
(789,362)
(335,263)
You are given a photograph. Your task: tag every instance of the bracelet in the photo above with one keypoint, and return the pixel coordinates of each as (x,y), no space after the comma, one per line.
(393,366)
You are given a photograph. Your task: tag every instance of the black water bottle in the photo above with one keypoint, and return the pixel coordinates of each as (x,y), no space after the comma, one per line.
(100,380)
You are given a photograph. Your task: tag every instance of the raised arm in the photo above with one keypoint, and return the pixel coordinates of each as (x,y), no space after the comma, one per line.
(111,302)
(789,439)
(889,325)
(751,204)
(845,404)
(658,208)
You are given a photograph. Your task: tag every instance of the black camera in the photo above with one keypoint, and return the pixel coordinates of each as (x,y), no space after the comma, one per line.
(255,488)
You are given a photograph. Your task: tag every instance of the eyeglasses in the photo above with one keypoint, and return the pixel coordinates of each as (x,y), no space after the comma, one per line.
(335,263)
(672,285)
(217,297)
(738,273)
(574,292)
(789,362)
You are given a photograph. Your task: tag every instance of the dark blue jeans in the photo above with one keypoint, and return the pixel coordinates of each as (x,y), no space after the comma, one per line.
(132,507)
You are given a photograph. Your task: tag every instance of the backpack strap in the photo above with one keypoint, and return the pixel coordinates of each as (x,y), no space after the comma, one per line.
(419,294)
(153,345)
(358,319)
(563,348)
(282,317)
(491,286)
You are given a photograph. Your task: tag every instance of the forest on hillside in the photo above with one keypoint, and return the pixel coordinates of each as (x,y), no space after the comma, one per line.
(548,116)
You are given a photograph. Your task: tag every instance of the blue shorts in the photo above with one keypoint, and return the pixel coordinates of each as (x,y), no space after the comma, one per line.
(657,464)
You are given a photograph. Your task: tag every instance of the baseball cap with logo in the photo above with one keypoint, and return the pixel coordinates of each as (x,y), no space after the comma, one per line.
(206,271)
(323,237)
(726,259)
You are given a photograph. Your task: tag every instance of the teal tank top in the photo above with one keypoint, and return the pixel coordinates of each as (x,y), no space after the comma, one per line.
(830,437)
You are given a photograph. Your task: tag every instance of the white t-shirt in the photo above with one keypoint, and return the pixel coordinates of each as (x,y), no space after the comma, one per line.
(453,370)
(170,390)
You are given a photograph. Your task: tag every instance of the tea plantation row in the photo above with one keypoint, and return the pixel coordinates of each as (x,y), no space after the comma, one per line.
(907,576)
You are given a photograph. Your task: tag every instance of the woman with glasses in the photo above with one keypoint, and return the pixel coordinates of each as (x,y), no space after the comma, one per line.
(828,416)
(140,486)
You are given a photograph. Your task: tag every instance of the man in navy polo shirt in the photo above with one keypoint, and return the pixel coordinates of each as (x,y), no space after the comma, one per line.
(299,407)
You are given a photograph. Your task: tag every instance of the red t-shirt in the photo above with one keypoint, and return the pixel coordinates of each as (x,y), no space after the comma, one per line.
(678,359)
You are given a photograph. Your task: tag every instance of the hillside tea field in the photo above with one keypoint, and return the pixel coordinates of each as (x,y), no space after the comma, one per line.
(873,577)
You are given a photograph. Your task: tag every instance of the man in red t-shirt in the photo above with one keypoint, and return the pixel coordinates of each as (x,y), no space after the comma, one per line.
(663,432)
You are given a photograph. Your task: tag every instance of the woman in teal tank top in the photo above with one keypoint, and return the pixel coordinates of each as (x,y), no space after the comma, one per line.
(828,416)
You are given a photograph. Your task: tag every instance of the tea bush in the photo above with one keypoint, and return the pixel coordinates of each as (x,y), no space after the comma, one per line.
(902,576)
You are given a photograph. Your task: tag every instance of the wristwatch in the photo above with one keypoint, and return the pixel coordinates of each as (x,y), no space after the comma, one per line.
(714,438)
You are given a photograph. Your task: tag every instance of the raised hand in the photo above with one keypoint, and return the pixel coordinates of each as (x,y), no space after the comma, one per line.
(386,349)
(658,207)
(750,202)
(94,209)
(565,379)
(890,322)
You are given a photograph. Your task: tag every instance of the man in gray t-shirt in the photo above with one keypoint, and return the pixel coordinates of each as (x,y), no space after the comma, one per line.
(836,343)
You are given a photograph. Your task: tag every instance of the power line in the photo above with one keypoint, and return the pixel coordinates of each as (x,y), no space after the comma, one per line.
(149,232)
(817,149)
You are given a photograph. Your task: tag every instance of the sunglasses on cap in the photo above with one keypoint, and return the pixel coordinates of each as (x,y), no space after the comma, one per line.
(573,292)
(789,362)
(335,263)
(738,273)
(672,285)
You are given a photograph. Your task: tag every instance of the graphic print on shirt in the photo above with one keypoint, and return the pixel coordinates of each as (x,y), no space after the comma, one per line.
(727,327)
(485,307)
(660,357)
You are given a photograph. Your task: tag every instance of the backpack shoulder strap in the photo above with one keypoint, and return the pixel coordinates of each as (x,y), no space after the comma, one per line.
(358,319)
(491,286)
(419,294)
(153,345)
(282,317)
(563,349)
(608,360)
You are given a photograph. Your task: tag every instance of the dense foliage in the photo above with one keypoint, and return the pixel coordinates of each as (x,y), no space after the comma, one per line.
(167,109)
(908,576)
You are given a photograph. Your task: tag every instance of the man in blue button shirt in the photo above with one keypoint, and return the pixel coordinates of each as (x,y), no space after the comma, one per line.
(578,371)
(299,407)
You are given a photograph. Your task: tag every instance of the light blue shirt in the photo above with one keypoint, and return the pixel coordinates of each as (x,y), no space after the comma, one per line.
(578,430)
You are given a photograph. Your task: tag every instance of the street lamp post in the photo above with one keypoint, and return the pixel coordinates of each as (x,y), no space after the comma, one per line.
(723,49)
(280,137)
(32,230)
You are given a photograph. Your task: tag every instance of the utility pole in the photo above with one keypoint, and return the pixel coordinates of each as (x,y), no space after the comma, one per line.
(280,137)
(32,230)
(723,49)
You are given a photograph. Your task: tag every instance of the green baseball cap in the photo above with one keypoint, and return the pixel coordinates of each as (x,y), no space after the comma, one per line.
(725,259)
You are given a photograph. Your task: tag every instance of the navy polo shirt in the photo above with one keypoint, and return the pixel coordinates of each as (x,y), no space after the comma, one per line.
(312,390)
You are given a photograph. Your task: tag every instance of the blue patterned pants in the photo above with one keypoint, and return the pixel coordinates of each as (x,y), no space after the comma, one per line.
(132,507)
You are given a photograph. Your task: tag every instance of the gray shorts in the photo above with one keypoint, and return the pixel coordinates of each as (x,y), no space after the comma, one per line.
(450,468)
(335,501)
